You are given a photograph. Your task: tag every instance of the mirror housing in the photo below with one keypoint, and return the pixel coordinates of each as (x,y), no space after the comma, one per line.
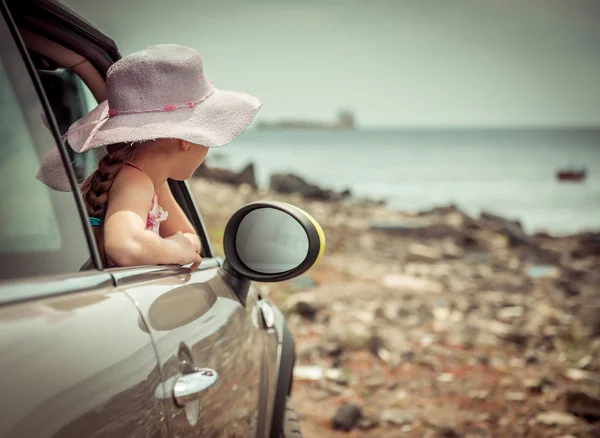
(281,238)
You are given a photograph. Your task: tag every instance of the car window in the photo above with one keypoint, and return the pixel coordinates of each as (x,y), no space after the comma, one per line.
(41,232)
(70,99)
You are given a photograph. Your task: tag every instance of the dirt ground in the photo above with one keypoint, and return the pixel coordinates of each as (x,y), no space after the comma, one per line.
(450,327)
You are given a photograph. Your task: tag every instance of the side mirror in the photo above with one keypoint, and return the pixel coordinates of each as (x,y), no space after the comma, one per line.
(271,241)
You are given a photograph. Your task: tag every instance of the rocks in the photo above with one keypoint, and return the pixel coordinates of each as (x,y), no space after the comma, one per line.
(246,176)
(556,418)
(515,396)
(422,253)
(306,310)
(583,404)
(447,432)
(397,417)
(308,372)
(511,229)
(412,283)
(519,339)
(536,385)
(510,313)
(458,320)
(346,417)
(289,183)
(367,423)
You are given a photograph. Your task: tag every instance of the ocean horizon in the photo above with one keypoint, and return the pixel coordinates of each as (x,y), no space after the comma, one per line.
(509,172)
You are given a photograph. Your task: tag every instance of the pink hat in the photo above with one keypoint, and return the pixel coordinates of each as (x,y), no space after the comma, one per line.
(159,92)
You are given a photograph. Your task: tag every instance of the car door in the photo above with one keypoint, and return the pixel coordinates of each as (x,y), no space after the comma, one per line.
(199,327)
(75,357)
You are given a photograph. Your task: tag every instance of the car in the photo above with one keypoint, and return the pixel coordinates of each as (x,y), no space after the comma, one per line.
(146,351)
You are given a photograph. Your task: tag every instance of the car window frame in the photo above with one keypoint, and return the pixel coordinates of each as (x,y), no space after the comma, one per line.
(24,56)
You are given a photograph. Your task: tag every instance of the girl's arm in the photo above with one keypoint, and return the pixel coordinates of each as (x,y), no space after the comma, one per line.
(126,240)
(176,220)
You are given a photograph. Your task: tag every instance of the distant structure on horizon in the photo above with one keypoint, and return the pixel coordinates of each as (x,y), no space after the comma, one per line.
(345,120)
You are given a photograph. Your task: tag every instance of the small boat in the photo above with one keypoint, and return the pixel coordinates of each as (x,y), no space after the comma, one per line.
(571,175)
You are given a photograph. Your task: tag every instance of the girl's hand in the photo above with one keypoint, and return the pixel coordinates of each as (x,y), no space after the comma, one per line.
(189,252)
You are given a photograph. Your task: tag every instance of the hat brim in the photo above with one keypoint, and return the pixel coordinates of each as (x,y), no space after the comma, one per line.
(212,123)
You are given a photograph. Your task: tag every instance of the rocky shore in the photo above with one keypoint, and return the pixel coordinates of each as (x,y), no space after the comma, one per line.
(434,324)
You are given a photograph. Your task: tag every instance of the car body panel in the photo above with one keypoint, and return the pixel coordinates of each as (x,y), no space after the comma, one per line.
(198,315)
(78,364)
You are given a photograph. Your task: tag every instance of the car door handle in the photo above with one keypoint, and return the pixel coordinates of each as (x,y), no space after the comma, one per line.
(190,386)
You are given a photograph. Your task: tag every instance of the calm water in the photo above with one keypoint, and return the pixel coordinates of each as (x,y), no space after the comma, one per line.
(511,173)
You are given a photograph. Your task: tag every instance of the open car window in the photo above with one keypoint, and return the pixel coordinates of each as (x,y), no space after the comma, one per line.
(70,100)
(41,232)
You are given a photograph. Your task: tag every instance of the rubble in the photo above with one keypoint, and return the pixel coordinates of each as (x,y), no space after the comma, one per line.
(346,417)
(306,310)
(582,404)
(447,432)
(437,315)
(397,417)
(556,418)
(246,176)
(289,183)
(367,423)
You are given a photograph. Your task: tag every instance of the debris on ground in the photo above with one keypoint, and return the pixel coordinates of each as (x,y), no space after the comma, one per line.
(436,324)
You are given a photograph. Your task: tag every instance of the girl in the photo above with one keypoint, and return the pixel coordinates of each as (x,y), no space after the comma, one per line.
(159,120)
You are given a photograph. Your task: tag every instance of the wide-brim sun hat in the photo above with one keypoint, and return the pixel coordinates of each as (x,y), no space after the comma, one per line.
(159,92)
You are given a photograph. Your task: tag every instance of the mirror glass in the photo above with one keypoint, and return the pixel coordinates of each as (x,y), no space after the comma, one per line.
(270,241)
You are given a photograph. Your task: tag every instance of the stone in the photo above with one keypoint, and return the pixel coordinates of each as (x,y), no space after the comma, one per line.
(515,396)
(511,229)
(333,388)
(289,183)
(397,417)
(531,358)
(556,418)
(412,283)
(447,432)
(306,310)
(367,423)
(582,404)
(422,253)
(578,375)
(536,385)
(343,380)
(543,271)
(331,349)
(346,417)
(246,176)
(519,339)
(483,360)
(374,344)
(479,394)
(308,372)
(445,377)
(510,313)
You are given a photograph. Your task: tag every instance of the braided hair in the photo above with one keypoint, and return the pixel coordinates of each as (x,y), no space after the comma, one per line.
(101,181)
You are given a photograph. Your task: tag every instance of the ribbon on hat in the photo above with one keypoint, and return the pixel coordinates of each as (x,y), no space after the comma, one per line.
(81,133)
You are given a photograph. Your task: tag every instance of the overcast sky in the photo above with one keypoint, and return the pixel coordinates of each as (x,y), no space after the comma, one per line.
(394,62)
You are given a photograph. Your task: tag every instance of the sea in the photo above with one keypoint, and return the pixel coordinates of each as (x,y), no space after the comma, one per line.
(511,173)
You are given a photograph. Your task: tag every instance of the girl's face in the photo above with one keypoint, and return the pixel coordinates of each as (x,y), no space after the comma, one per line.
(189,161)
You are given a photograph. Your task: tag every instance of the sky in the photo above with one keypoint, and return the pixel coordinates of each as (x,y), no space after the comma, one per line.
(395,63)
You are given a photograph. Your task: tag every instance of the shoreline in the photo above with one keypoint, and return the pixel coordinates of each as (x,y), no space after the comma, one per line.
(289,184)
